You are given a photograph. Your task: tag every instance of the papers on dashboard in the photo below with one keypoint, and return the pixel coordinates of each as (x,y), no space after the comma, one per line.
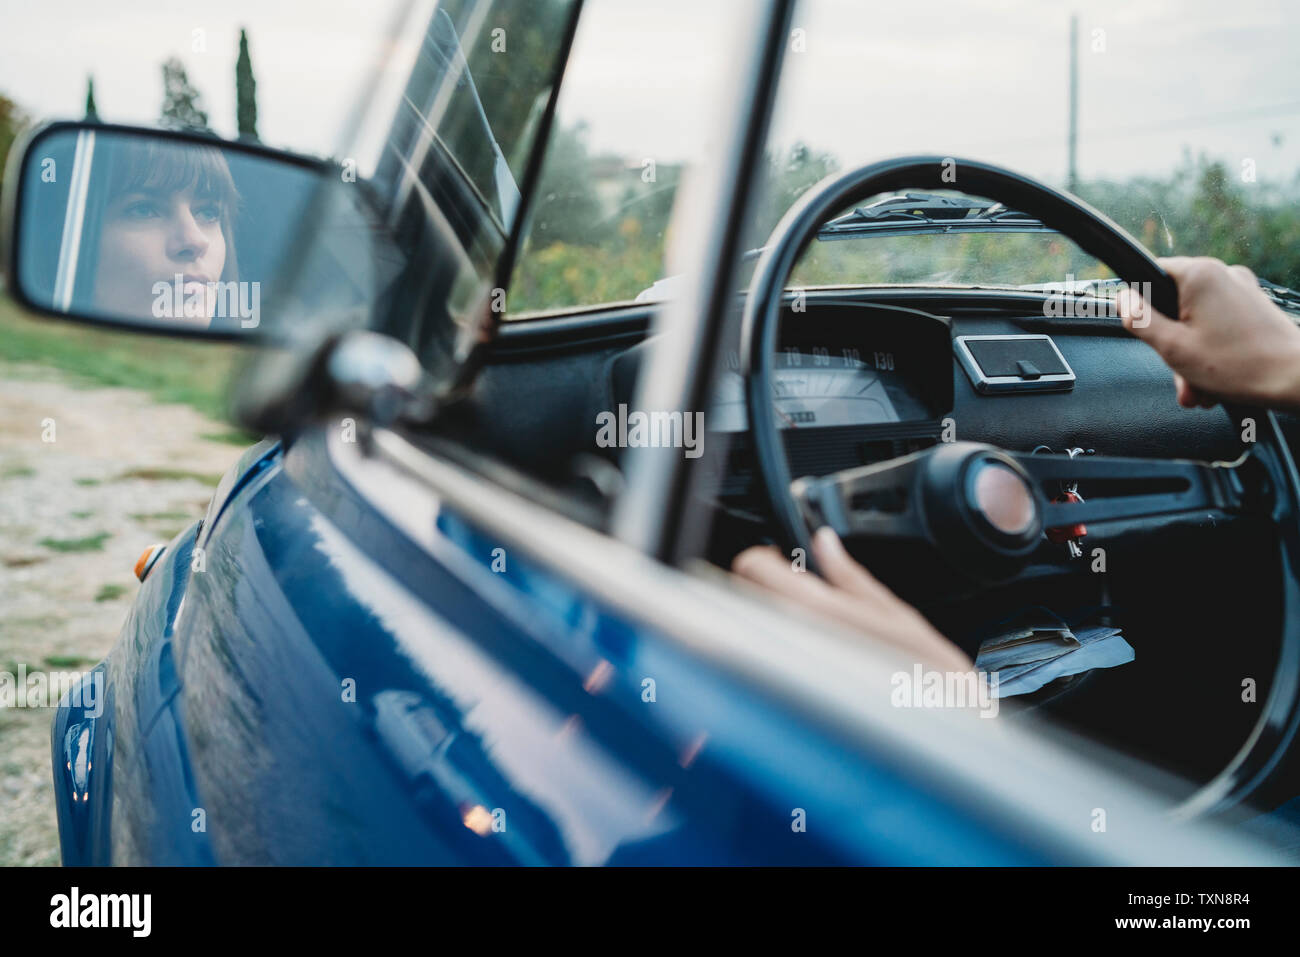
(1030,654)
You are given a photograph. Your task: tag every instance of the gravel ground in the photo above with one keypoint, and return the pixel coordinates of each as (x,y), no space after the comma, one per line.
(121,473)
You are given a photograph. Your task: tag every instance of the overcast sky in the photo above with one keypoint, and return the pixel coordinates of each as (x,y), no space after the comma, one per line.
(311,59)
(984,78)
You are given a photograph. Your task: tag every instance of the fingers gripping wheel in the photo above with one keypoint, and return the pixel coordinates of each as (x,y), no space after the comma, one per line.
(982,508)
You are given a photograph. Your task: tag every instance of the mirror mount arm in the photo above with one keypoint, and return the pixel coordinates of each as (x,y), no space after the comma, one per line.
(375,377)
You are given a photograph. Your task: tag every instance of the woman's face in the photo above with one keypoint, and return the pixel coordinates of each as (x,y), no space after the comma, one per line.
(151,237)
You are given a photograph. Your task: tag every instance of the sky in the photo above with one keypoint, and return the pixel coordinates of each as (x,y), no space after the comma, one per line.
(312,61)
(988,79)
(981,78)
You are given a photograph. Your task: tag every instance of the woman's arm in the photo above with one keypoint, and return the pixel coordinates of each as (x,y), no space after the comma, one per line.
(851,594)
(1230,343)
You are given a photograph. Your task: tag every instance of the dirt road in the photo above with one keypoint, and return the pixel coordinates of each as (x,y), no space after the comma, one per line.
(88,478)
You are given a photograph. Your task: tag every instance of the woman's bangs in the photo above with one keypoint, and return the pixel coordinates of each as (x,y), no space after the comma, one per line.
(153,167)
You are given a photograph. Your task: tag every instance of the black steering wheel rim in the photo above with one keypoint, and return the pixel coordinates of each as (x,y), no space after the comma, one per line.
(1097,235)
(1091,230)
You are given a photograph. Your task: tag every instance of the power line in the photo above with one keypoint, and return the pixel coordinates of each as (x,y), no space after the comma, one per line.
(1200,121)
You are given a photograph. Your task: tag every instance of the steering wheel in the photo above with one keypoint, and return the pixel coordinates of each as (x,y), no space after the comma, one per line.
(983,508)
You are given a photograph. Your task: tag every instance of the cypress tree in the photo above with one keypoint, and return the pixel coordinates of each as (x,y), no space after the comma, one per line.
(245,91)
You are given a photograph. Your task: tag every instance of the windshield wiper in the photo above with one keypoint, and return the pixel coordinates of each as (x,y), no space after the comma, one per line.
(922,213)
(918,213)
(1103,288)
(1284,296)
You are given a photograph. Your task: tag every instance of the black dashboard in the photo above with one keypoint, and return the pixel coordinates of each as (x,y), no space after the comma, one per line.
(853,384)
(537,401)
(847,365)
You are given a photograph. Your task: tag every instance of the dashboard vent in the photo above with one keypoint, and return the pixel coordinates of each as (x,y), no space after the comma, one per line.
(1000,364)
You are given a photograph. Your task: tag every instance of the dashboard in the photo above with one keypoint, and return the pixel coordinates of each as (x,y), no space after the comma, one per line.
(537,398)
(852,384)
(847,365)
(823,386)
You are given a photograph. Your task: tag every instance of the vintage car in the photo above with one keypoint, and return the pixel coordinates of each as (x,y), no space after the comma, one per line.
(470,601)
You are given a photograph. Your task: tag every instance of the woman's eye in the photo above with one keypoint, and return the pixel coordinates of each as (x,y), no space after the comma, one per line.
(208,213)
(142,209)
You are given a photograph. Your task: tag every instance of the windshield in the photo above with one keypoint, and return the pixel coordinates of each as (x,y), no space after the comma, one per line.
(940,239)
(1183,120)
(979,259)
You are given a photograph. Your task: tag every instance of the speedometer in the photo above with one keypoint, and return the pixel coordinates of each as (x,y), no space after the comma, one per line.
(818,388)
(858,372)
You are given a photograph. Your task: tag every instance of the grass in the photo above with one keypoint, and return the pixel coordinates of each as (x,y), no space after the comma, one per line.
(233,437)
(110,592)
(87,481)
(171,370)
(91,543)
(82,514)
(170,475)
(18,471)
(67,661)
(160,516)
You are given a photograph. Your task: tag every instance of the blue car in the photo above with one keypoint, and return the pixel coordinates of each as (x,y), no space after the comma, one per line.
(470,601)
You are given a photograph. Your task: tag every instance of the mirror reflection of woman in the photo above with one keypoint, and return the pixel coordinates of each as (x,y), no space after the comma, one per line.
(166,212)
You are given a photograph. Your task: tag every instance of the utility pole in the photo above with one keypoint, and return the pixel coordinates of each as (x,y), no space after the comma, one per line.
(1072,177)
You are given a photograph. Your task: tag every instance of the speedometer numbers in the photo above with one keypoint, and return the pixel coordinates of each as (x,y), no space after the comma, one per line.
(818,386)
(815,386)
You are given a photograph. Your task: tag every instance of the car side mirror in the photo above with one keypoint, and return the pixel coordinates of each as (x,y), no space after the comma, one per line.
(161,231)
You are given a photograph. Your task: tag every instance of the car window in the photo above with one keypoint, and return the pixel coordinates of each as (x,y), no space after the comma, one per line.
(462,133)
(478,90)
(635,113)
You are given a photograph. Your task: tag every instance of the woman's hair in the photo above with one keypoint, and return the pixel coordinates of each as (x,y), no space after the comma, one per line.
(124,163)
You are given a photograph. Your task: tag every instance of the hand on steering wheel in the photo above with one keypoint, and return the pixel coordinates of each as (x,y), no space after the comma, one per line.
(1230,342)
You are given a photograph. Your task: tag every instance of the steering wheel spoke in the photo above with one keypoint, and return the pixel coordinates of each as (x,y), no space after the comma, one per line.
(985,510)
(1129,488)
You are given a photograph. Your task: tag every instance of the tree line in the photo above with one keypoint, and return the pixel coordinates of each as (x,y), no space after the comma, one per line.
(579,254)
